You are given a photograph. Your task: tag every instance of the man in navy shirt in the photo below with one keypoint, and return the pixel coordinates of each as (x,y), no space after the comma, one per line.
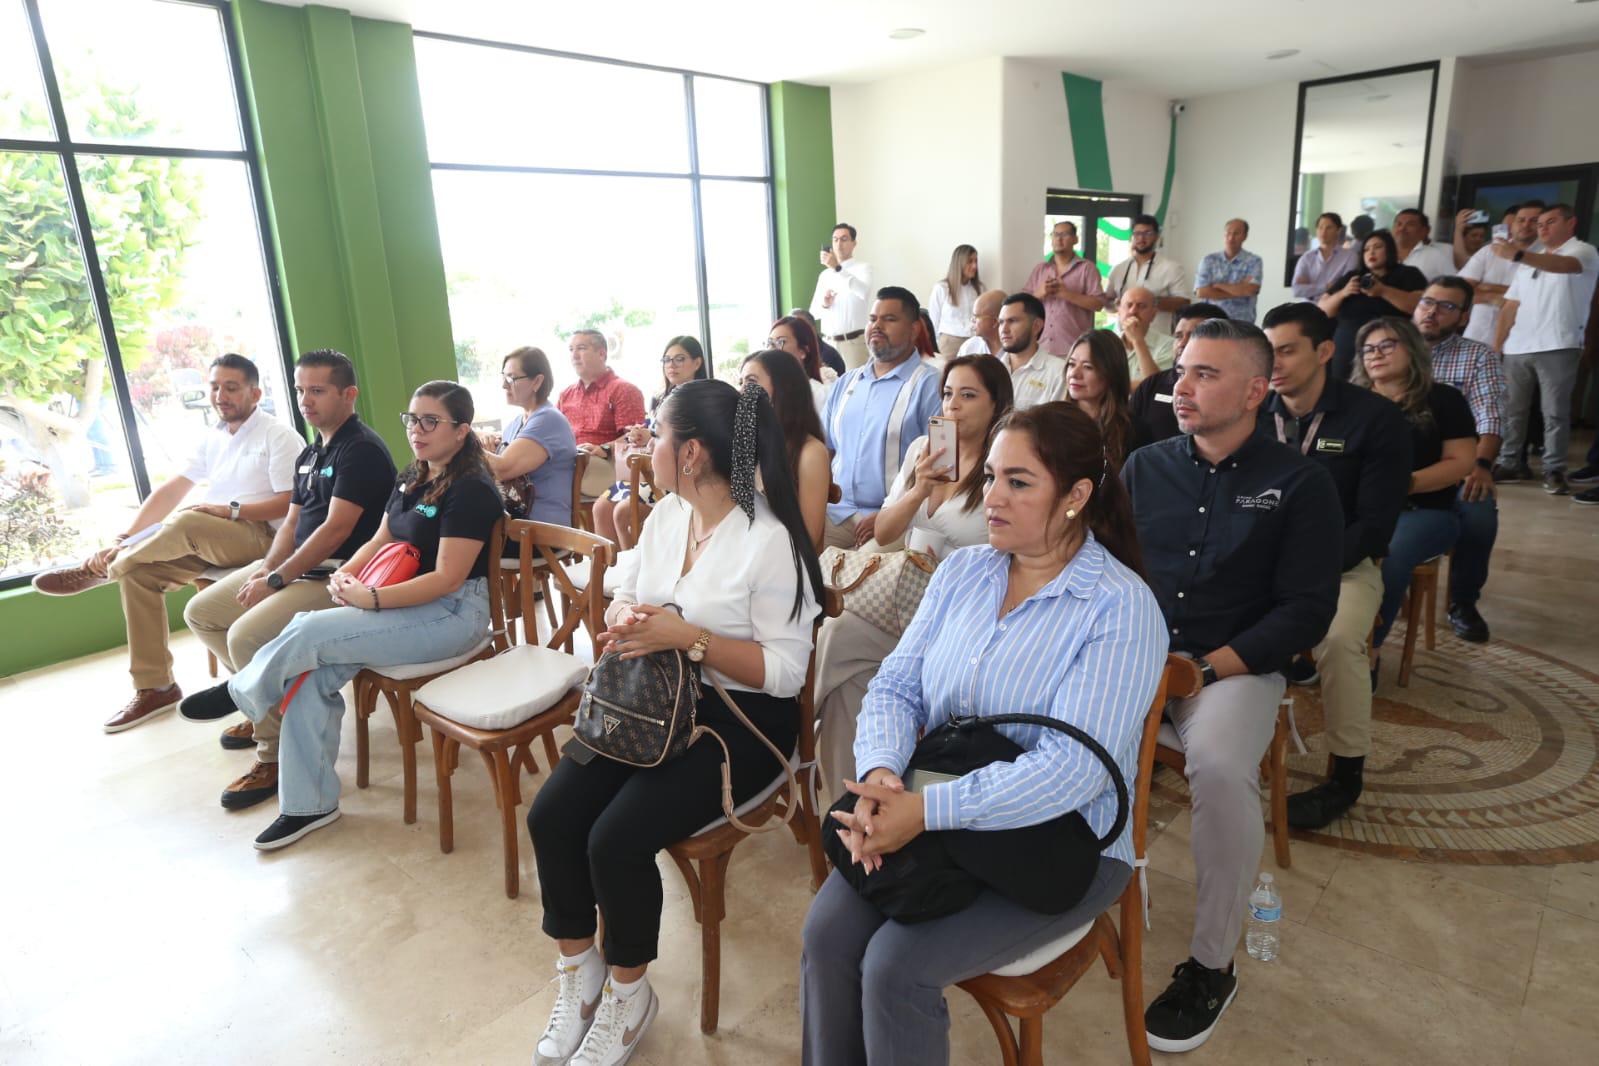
(341,483)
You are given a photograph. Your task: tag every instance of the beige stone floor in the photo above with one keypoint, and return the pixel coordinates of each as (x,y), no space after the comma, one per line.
(138,925)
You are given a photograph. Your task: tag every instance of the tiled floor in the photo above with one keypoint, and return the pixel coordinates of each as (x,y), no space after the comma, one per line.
(139,925)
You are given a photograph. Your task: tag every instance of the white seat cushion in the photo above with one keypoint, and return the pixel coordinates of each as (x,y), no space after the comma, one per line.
(1167,737)
(412,671)
(579,573)
(759,798)
(1044,954)
(506,690)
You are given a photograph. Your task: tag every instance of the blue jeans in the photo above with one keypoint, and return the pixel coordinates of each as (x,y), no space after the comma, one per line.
(335,645)
(1479,528)
(1420,535)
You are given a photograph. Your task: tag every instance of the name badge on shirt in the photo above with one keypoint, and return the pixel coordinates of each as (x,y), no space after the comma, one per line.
(306,469)
(1325,444)
(1163,397)
(1034,384)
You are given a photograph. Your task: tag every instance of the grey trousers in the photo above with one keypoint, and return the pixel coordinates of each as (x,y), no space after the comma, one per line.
(872,990)
(1225,730)
(1554,375)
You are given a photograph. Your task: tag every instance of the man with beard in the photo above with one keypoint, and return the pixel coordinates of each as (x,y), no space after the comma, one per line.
(873,415)
(1160,274)
(1069,288)
(1152,397)
(1036,376)
(247,463)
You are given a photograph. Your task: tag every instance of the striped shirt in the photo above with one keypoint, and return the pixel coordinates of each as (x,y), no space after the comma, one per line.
(1474,369)
(1087,648)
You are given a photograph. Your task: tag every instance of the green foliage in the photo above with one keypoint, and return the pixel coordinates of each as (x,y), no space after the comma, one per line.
(32,534)
(468,362)
(613,315)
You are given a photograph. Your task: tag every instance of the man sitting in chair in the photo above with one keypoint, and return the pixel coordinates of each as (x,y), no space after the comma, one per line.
(601,407)
(247,462)
(341,482)
(1242,540)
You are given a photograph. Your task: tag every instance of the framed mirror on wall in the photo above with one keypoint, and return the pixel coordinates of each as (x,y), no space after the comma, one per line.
(1360,150)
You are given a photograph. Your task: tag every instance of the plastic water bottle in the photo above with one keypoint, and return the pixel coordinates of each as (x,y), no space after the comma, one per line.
(1265,916)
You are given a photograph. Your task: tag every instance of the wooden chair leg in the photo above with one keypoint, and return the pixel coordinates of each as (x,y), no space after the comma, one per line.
(365,701)
(808,830)
(507,794)
(1431,613)
(713,900)
(1009,1053)
(211,663)
(1412,608)
(1133,1004)
(551,752)
(1033,1041)
(442,768)
(1108,947)
(410,733)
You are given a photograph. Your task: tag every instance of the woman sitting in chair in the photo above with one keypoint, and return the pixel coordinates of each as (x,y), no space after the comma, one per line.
(1051,618)
(534,458)
(738,563)
(445,505)
(784,383)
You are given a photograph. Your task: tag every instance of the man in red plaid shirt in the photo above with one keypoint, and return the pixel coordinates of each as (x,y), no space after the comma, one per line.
(601,407)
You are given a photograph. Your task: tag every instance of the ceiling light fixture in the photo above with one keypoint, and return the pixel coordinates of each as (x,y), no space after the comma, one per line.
(1377,98)
(905,33)
(1282,53)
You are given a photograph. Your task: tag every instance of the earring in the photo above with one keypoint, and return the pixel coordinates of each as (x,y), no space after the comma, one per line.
(688,471)
(1070,513)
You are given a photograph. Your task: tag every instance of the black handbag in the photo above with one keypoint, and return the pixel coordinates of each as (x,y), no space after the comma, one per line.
(1046,868)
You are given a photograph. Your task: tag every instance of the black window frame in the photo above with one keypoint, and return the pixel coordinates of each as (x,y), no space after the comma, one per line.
(1092,206)
(66,150)
(695,176)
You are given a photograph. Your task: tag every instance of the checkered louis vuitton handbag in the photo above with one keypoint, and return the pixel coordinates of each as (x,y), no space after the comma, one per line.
(885,588)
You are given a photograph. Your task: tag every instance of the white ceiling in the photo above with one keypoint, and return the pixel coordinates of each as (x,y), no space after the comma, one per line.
(1176,47)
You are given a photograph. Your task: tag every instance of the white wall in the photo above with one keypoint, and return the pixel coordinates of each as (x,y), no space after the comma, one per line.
(1342,190)
(1531,113)
(916,164)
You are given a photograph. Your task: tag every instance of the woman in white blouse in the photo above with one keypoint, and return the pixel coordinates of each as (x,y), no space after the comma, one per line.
(933,516)
(953,299)
(727,574)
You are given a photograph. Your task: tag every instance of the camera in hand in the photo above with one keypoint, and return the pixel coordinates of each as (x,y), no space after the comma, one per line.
(1368,281)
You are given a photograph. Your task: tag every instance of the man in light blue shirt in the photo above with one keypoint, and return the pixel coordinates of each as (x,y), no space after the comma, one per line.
(1231,277)
(874,413)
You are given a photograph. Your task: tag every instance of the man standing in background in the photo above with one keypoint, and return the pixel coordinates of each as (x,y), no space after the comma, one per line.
(1324,264)
(1069,288)
(1490,275)
(843,291)
(1161,275)
(1231,277)
(1413,234)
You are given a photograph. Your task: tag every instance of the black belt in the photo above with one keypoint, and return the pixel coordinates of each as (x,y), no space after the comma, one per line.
(847,336)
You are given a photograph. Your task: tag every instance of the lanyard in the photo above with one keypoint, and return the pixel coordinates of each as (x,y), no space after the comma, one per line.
(1304,444)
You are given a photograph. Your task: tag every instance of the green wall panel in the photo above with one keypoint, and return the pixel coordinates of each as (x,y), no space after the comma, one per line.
(802,172)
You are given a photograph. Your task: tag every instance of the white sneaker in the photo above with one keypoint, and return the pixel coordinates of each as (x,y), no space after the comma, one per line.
(618,1027)
(576,1000)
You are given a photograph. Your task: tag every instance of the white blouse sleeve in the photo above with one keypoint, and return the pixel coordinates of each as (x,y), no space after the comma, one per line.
(785,640)
(626,567)
(937,301)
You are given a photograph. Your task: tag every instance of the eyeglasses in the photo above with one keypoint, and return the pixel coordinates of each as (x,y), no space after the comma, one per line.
(512,379)
(1381,347)
(780,343)
(1445,305)
(428,422)
(675,360)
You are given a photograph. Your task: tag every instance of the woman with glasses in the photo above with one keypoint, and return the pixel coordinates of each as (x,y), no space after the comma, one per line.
(534,457)
(683,360)
(1396,362)
(1379,285)
(954,300)
(445,506)
(797,337)
(808,459)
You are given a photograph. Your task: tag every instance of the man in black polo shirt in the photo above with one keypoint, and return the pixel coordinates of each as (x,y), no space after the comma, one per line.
(1151,401)
(341,484)
(1241,544)
(1363,441)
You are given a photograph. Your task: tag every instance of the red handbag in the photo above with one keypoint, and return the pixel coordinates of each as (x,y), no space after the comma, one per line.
(395,562)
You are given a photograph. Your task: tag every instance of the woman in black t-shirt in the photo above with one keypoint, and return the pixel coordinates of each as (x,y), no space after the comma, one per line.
(445,505)
(1391,289)
(1396,362)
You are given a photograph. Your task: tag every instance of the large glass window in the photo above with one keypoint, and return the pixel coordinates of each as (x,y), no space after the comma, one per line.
(577,193)
(131,238)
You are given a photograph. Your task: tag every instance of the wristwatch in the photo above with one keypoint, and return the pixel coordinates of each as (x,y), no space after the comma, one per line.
(696,651)
(274,580)
(1207,672)
(233,510)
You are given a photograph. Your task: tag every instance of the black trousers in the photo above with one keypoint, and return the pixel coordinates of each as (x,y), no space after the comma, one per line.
(596,828)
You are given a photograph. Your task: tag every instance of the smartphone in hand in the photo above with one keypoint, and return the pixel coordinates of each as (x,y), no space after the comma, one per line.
(941,434)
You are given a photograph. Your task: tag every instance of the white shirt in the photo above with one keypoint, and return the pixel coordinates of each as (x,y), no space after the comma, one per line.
(851,286)
(974,345)
(1162,349)
(1432,259)
(953,525)
(1042,379)
(952,317)
(1485,266)
(1162,275)
(1554,307)
(741,587)
(820,389)
(248,466)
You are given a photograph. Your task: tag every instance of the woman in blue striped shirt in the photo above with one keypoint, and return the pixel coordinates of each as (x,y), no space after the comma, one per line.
(1051,618)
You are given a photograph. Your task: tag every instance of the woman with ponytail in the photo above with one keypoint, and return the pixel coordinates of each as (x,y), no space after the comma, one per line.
(1051,617)
(724,571)
(445,506)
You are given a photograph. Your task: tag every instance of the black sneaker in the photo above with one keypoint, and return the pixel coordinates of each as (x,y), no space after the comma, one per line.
(208,705)
(1502,473)
(1584,475)
(1591,496)
(1467,623)
(1302,671)
(1554,483)
(1184,1016)
(291,827)
(1321,806)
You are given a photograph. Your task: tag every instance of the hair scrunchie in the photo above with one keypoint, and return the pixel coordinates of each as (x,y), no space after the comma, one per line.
(744,457)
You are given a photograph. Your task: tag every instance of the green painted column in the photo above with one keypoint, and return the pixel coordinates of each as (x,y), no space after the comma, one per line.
(802,173)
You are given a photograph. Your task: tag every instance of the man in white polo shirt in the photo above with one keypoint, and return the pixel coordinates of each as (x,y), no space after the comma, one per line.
(1036,376)
(1146,268)
(843,294)
(1541,332)
(247,463)
(1490,274)
(1413,234)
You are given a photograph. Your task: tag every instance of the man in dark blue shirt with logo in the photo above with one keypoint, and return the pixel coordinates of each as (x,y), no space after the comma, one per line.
(341,483)
(1242,542)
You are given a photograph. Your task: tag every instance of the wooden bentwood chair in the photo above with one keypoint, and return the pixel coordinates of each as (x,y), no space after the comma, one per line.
(1030,986)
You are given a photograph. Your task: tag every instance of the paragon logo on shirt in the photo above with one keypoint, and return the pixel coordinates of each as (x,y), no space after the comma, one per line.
(1266,501)
(427,510)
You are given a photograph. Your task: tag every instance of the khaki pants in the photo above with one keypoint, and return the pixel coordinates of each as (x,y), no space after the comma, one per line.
(839,534)
(949,345)
(187,546)
(853,352)
(234,634)
(1342,662)
(849,650)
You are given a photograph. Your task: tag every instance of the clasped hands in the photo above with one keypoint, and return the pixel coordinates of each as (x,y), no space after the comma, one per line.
(642,628)
(885,819)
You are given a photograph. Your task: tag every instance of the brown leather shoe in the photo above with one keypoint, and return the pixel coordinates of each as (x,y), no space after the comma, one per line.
(261,783)
(238,737)
(145,705)
(67,580)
